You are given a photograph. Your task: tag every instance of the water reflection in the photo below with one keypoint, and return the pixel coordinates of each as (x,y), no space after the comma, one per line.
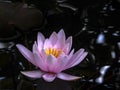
(103,70)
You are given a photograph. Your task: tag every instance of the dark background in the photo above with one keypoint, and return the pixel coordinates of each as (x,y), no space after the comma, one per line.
(94,25)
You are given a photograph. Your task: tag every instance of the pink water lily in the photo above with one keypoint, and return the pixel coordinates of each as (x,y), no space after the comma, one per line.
(52,56)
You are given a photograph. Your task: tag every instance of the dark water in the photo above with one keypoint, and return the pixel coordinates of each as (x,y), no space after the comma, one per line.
(94,25)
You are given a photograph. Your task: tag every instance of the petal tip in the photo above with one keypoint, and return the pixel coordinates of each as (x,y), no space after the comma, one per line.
(67,77)
(18,45)
(49,77)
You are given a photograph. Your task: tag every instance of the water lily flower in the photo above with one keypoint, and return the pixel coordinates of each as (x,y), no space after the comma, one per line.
(52,56)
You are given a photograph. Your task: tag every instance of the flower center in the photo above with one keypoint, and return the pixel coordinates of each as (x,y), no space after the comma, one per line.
(53,51)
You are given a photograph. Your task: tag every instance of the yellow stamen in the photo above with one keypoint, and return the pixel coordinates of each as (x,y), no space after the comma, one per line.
(55,52)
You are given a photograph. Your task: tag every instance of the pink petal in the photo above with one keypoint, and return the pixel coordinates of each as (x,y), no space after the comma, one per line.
(55,65)
(49,77)
(62,61)
(79,59)
(61,33)
(53,38)
(33,74)
(59,44)
(69,41)
(47,44)
(67,60)
(71,54)
(40,40)
(42,55)
(66,48)
(61,40)
(52,62)
(74,58)
(67,77)
(26,53)
(40,63)
(35,49)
